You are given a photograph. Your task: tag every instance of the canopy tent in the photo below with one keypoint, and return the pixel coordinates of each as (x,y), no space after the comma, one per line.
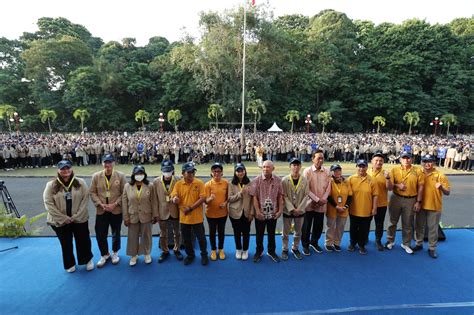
(275,128)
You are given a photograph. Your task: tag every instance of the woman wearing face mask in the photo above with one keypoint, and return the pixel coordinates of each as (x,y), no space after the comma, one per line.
(138,215)
(240,211)
(65,199)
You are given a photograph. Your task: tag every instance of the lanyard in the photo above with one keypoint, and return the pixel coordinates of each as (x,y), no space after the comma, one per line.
(107,183)
(69,186)
(241,186)
(337,187)
(295,188)
(374,174)
(139,192)
(164,186)
(406,176)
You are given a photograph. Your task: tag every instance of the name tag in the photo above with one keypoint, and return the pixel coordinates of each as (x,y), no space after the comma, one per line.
(68,195)
(107,194)
(339,199)
(168,198)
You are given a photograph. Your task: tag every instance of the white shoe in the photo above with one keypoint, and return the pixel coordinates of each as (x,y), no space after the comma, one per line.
(245,254)
(72,269)
(115,258)
(238,254)
(389,245)
(147,259)
(407,249)
(102,261)
(90,265)
(133,261)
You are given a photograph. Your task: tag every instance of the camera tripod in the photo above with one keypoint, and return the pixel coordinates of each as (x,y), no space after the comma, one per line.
(9,205)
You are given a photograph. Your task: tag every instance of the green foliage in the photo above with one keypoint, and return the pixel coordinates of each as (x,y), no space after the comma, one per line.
(412,118)
(6,113)
(11,226)
(143,116)
(82,115)
(48,115)
(324,118)
(291,115)
(174,115)
(256,108)
(380,121)
(216,111)
(449,119)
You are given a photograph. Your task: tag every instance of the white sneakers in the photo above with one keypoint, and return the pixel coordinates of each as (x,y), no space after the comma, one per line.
(133,261)
(102,261)
(115,258)
(90,265)
(147,259)
(238,254)
(72,269)
(245,254)
(407,249)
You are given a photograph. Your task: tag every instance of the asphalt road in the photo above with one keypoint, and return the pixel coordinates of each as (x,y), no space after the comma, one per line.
(27,195)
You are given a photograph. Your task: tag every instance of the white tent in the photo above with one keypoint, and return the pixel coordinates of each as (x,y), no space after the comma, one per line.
(275,128)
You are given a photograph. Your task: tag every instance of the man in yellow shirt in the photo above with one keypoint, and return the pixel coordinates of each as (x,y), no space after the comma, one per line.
(189,194)
(436,185)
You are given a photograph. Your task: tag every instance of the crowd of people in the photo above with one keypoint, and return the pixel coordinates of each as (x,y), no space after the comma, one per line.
(303,198)
(30,150)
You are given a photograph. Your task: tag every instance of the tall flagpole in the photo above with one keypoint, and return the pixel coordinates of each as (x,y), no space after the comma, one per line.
(242,130)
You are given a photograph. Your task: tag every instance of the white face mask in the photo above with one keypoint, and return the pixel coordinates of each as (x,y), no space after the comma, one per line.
(168,174)
(139,178)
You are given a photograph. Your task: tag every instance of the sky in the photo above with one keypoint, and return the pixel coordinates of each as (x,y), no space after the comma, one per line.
(143,19)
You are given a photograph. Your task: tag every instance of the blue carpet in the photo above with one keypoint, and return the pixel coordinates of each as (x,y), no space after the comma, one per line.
(33,282)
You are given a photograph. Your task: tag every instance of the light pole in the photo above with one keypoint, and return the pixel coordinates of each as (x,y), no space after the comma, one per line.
(17,119)
(435,123)
(161,120)
(308,122)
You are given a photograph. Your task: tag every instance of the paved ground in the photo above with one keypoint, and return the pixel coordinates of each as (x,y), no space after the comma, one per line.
(27,195)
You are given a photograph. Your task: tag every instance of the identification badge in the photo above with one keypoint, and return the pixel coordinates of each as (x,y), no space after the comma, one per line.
(339,199)
(268,209)
(168,198)
(68,195)
(107,194)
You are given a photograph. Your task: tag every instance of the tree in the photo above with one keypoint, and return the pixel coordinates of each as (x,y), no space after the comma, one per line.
(215,110)
(6,112)
(173,116)
(324,118)
(449,119)
(257,108)
(412,118)
(82,115)
(380,121)
(291,115)
(142,115)
(48,115)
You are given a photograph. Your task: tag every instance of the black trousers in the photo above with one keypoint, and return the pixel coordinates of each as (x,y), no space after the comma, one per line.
(80,233)
(359,230)
(102,223)
(216,224)
(186,233)
(379,219)
(312,228)
(260,225)
(241,232)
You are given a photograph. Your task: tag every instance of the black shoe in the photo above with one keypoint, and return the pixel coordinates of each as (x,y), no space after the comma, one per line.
(297,254)
(351,248)
(362,250)
(306,251)
(417,248)
(188,260)
(337,248)
(316,248)
(257,257)
(178,255)
(284,255)
(274,257)
(329,248)
(204,260)
(432,253)
(163,257)
(379,246)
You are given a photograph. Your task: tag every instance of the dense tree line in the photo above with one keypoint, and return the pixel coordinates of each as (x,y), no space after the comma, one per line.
(296,64)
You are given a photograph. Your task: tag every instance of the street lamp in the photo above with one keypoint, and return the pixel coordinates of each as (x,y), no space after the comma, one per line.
(308,122)
(435,123)
(17,119)
(161,120)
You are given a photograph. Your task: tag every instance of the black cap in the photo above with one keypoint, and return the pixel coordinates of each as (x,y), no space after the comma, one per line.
(295,161)
(335,167)
(217,165)
(108,158)
(362,162)
(167,166)
(64,163)
(428,158)
(188,167)
(239,166)
(405,154)
(379,154)
(138,169)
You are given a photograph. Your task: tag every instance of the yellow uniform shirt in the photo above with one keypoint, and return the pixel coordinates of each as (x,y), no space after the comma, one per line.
(363,190)
(219,189)
(339,189)
(411,177)
(188,194)
(433,197)
(381,183)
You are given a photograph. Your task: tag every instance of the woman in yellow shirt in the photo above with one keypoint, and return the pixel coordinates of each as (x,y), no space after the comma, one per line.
(216,210)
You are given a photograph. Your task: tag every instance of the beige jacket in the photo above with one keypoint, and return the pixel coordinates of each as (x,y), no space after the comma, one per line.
(161,206)
(98,190)
(239,202)
(138,209)
(55,204)
(298,199)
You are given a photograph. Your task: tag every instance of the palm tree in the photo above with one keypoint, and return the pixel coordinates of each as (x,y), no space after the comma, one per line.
(257,108)
(48,115)
(173,116)
(412,118)
(291,115)
(215,110)
(324,118)
(142,115)
(449,119)
(6,112)
(380,121)
(81,114)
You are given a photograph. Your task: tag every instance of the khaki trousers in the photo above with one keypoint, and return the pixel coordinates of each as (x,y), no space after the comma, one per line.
(286,231)
(403,207)
(164,234)
(431,219)
(139,239)
(335,230)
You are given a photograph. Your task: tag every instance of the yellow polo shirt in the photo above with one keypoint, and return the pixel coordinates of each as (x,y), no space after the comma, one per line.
(219,189)
(381,184)
(432,197)
(363,190)
(188,194)
(412,177)
(342,189)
